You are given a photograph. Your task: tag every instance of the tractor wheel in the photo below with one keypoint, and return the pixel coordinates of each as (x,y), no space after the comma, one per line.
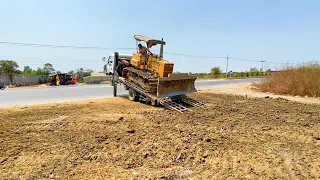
(133,95)
(115,90)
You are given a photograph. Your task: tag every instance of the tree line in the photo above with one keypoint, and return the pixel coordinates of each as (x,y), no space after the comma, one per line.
(216,72)
(9,66)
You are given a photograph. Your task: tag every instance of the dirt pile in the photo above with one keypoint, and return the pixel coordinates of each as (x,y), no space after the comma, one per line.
(234,137)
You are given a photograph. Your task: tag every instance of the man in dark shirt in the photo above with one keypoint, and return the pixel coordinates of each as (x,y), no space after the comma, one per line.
(143,50)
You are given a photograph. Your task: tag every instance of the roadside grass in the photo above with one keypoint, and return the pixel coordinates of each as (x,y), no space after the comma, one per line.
(302,80)
(212,76)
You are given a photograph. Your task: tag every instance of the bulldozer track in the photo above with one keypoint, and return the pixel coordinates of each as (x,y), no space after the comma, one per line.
(143,79)
(147,85)
(143,74)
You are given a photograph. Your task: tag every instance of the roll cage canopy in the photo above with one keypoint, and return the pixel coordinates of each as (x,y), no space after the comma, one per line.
(149,41)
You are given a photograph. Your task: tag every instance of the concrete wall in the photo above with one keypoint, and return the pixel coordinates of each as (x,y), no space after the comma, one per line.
(22,80)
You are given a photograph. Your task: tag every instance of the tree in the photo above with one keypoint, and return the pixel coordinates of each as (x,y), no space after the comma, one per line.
(105,67)
(48,68)
(39,71)
(254,72)
(18,71)
(27,70)
(216,71)
(71,72)
(236,74)
(268,72)
(8,66)
(81,73)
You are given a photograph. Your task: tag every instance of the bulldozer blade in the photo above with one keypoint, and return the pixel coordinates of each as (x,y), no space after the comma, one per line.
(175,84)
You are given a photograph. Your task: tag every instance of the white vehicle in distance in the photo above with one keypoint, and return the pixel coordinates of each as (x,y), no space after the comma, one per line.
(109,69)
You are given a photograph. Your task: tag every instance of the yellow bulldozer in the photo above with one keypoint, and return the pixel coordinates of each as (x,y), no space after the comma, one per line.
(149,74)
(154,74)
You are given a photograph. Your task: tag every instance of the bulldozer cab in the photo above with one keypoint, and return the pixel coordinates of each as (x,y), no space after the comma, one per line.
(151,62)
(150,43)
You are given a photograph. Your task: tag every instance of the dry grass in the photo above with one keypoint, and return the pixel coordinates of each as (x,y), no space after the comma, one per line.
(303,80)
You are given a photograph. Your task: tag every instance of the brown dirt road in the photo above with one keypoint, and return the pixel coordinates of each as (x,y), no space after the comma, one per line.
(232,138)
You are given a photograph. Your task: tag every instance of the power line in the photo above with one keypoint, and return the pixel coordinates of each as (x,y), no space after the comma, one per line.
(280,63)
(271,62)
(239,59)
(53,59)
(89,47)
(90,59)
(207,57)
(105,48)
(60,46)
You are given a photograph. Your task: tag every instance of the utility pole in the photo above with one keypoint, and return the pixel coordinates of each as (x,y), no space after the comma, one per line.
(262,65)
(227,66)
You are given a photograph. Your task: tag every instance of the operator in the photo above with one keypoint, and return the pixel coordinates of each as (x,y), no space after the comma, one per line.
(143,50)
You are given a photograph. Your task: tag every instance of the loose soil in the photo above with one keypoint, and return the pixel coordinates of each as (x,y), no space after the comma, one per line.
(234,137)
(246,89)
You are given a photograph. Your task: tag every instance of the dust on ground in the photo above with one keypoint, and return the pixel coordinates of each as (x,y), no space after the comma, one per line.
(233,137)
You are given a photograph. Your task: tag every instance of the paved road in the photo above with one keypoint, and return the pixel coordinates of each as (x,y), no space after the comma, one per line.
(43,95)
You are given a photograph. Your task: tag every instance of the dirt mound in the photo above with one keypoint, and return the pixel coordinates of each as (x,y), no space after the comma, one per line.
(234,137)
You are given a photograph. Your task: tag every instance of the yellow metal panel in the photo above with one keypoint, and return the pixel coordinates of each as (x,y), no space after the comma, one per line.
(162,68)
(142,67)
(165,68)
(137,60)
